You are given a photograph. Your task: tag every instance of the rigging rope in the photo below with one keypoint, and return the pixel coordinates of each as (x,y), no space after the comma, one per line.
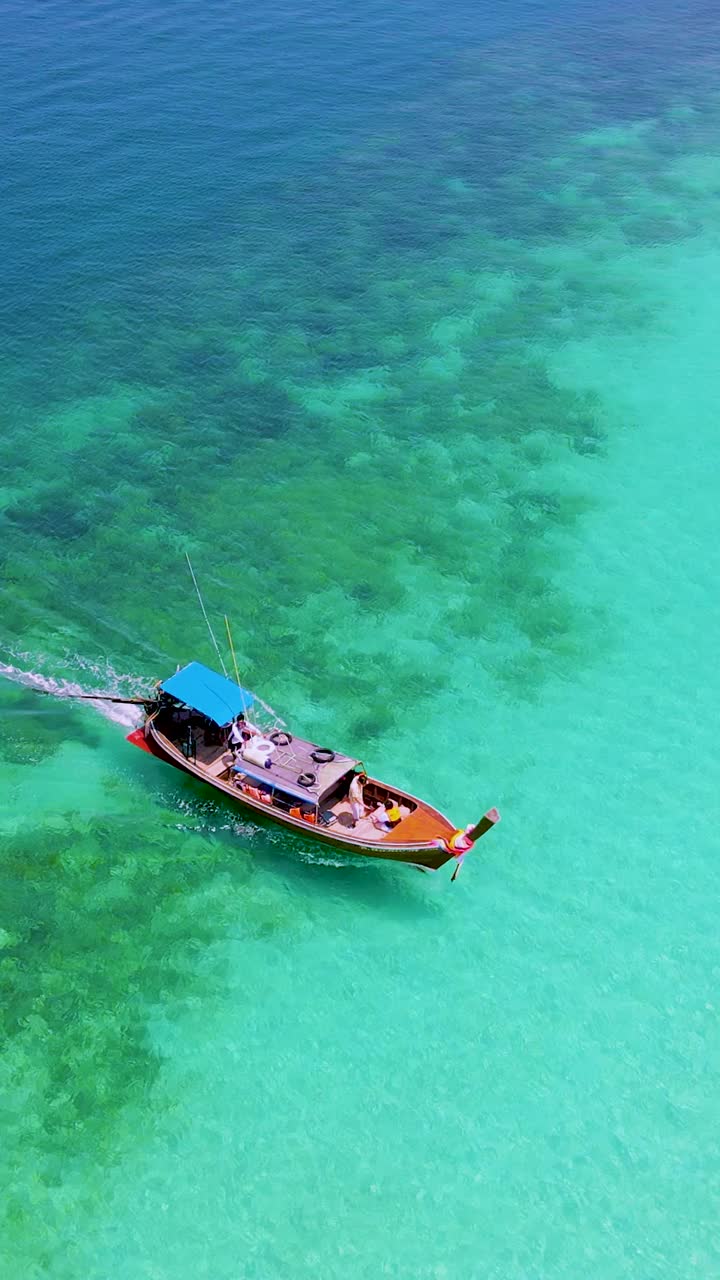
(207,620)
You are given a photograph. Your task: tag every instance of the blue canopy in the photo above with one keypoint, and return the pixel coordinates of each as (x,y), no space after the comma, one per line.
(205,691)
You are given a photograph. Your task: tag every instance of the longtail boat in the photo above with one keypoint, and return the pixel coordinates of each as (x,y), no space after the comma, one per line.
(289,779)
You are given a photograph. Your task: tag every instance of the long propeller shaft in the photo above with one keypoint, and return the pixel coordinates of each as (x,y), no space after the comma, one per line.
(97,697)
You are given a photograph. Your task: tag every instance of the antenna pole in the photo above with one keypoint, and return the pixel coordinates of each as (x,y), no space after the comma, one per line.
(207,620)
(232,649)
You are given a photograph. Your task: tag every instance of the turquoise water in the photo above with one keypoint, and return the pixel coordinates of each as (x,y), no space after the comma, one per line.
(403,322)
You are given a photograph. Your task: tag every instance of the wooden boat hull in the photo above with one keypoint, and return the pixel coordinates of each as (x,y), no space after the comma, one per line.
(412,845)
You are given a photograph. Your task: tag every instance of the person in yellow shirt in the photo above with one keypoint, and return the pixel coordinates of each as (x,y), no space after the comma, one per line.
(386,816)
(378,817)
(392,813)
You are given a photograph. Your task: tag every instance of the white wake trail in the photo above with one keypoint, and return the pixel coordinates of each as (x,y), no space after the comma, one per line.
(127,716)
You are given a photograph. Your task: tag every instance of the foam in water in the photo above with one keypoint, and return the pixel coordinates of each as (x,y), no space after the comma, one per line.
(127,716)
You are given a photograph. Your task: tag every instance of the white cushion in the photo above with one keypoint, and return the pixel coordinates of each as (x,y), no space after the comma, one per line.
(257,750)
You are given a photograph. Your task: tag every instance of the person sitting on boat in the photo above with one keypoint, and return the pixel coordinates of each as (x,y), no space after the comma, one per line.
(378,817)
(386,816)
(357,798)
(392,813)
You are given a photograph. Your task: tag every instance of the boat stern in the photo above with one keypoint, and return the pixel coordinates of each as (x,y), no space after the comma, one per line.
(138,739)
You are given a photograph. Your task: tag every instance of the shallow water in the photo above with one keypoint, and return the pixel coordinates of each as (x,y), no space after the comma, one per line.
(404,324)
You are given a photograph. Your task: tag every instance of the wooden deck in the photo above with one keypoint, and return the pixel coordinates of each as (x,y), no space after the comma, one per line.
(288,763)
(424,824)
(410,841)
(365,829)
(420,822)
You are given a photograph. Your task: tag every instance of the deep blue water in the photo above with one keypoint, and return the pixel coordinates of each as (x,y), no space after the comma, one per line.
(137,136)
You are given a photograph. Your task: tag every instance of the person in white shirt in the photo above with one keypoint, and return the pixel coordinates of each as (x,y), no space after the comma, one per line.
(240,731)
(357,798)
(379,817)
